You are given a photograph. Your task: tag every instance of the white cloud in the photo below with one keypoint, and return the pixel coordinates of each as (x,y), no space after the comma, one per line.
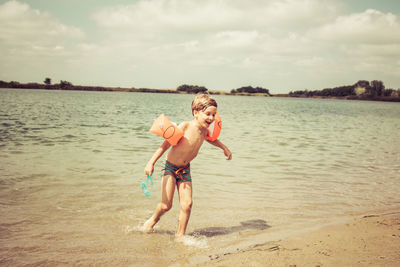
(192,16)
(34,43)
(22,26)
(218,32)
(309,62)
(369,27)
(373,50)
(236,38)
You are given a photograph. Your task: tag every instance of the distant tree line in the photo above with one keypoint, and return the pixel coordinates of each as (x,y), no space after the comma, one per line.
(62,85)
(191,89)
(250,90)
(360,90)
(65,85)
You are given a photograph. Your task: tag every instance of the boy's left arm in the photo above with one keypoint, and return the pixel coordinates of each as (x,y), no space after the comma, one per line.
(219,144)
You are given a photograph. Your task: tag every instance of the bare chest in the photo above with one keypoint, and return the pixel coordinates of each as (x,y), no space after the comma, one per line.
(194,136)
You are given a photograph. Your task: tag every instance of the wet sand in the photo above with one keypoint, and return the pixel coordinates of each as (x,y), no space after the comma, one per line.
(372,239)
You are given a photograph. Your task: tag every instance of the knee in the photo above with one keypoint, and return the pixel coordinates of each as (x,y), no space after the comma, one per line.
(186,205)
(165,206)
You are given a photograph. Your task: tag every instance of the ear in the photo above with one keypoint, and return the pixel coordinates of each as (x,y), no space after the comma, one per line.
(195,113)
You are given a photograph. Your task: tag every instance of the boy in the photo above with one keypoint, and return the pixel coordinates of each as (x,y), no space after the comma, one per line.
(177,166)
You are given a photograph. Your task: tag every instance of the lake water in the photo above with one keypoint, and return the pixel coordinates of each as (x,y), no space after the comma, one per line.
(71,164)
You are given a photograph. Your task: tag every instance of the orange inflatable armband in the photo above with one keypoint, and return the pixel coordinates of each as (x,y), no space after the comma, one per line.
(215,129)
(167,130)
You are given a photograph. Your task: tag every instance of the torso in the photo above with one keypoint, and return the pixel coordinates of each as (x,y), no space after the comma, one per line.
(189,145)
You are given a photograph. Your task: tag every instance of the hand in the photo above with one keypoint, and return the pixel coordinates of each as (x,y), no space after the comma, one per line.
(228,154)
(148,170)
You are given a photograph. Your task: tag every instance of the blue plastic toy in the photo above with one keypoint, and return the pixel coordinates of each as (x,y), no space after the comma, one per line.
(146,190)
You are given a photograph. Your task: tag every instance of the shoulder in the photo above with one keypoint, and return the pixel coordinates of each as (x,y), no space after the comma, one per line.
(183,125)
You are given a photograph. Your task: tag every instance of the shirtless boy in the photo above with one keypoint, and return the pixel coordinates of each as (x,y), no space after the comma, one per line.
(177,166)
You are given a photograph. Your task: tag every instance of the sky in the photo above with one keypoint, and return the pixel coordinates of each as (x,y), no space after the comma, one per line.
(281,45)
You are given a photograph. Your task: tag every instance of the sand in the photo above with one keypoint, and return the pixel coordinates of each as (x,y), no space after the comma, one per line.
(368,240)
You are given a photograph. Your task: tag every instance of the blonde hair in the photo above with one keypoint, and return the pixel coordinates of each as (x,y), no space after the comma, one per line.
(203,101)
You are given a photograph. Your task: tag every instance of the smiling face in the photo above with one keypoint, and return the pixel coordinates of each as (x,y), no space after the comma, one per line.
(204,108)
(206,116)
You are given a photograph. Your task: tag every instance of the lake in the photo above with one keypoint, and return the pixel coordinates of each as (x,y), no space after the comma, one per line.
(71,165)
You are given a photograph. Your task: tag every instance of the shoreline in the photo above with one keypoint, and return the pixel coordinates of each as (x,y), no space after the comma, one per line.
(368,239)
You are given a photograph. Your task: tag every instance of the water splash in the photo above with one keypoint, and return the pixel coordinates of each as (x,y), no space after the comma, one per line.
(193,241)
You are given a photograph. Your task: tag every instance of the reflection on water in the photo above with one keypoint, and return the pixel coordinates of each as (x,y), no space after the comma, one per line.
(71,166)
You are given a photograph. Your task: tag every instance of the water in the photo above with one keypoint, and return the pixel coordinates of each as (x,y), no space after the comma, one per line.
(71,164)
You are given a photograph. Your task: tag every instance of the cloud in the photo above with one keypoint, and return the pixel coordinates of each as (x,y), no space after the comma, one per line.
(236,38)
(190,16)
(369,27)
(34,44)
(259,39)
(230,31)
(366,42)
(30,31)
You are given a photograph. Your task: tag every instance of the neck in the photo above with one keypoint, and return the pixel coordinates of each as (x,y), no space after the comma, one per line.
(198,125)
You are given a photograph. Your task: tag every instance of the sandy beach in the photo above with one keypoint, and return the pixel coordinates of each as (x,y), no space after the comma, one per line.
(371,239)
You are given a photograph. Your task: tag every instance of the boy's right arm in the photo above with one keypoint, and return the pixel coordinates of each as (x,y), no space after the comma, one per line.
(148,170)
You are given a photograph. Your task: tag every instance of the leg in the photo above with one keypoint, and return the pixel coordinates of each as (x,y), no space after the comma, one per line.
(185,199)
(167,196)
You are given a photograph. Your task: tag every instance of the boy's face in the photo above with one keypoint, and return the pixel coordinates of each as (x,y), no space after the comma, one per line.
(205,117)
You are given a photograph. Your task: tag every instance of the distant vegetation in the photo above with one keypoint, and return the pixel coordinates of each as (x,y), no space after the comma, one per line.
(182,89)
(362,90)
(65,85)
(191,89)
(250,90)
(247,90)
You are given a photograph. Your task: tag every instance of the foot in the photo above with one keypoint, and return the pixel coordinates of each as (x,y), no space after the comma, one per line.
(148,226)
(179,238)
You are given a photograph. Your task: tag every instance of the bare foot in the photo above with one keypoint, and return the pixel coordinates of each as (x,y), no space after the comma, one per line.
(179,238)
(148,226)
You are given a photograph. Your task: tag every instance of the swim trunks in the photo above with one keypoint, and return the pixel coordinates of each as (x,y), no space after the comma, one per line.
(181,174)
